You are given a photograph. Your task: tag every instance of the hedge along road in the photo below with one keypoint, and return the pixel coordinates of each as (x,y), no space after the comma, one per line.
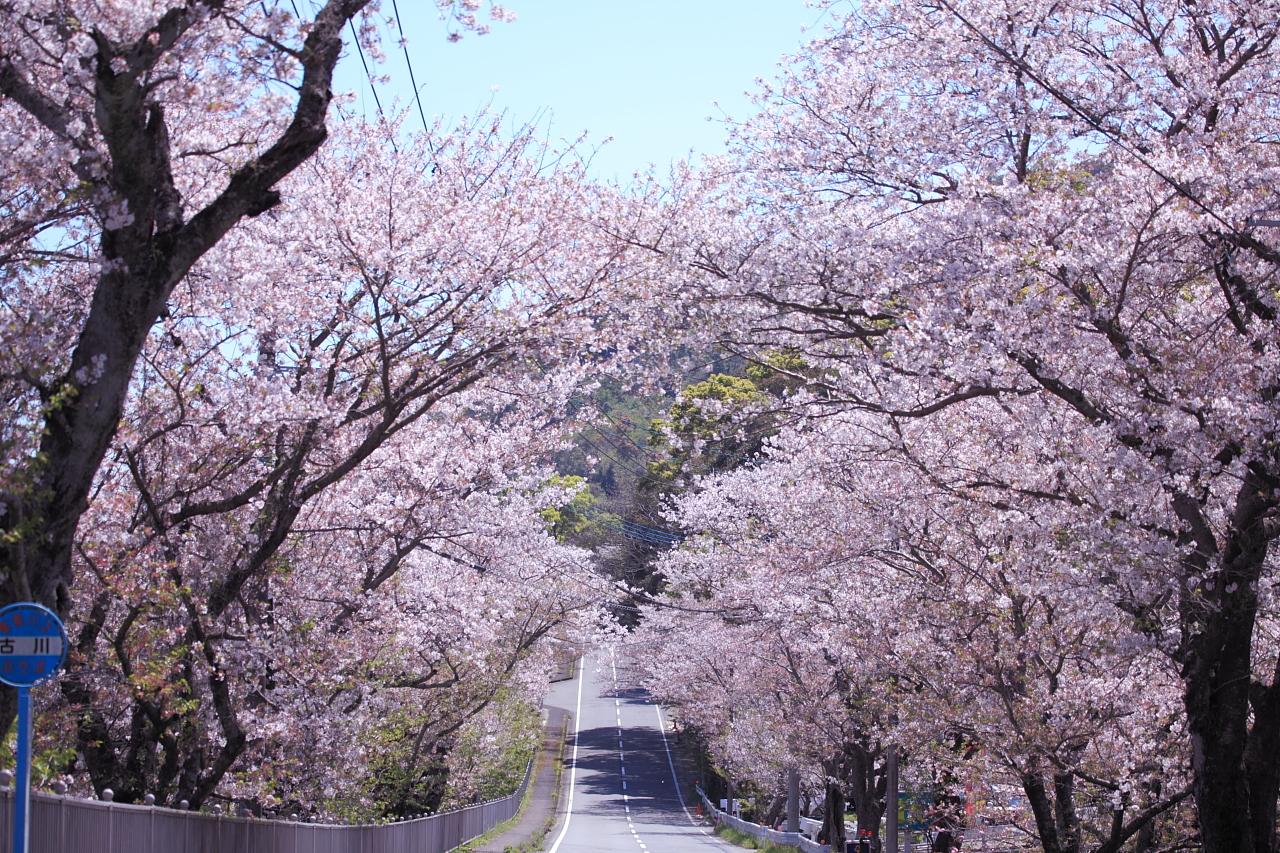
(623,795)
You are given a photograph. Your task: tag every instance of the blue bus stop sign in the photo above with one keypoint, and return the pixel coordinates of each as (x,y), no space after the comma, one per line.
(33,645)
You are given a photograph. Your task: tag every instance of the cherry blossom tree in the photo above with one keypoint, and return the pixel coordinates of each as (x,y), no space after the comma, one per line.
(866,598)
(1057,209)
(324,502)
(137,136)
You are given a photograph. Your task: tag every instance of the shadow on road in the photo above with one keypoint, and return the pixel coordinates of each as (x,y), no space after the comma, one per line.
(650,790)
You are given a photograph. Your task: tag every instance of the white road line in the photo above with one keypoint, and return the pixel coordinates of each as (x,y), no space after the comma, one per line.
(622,760)
(573,771)
(662,730)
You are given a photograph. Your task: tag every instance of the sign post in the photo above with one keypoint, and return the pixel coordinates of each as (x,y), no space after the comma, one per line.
(33,645)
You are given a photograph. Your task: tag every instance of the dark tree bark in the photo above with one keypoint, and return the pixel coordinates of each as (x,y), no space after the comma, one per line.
(1042,809)
(867,785)
(1262,764)
(144,260)
(777,805)
(1235,788)
(833,816)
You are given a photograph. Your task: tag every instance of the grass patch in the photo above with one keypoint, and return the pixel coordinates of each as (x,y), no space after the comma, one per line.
(534,844)
(750,842)
(497,830)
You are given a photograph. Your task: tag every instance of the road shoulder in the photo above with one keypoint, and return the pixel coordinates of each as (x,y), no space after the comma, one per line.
(536,820)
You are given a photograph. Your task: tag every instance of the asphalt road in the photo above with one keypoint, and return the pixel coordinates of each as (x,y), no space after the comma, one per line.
(624,796)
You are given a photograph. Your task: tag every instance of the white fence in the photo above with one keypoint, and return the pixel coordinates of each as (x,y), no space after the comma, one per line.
(995,839)
(69,825)
(775,836)
(976,839)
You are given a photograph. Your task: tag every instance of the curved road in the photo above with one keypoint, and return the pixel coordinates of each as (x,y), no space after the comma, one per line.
(623,794)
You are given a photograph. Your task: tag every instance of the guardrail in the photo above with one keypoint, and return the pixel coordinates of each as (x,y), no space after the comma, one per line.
(976,839)
(69,825)
(995,839)
(812,827)
(905,843)
(775,836)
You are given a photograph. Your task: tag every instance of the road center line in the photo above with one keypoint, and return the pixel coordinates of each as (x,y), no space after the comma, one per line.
(622,760)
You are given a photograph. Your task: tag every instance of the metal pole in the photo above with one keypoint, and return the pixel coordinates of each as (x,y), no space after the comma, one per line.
(793,800)
(22,785)
(891,800)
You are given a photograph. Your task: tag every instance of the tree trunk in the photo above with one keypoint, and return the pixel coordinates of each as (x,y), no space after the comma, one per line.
(1043,811)
(1065,819)
(834,818)
(1218,622)
(774,813)
(1262,764)
(867,787)
(144,259)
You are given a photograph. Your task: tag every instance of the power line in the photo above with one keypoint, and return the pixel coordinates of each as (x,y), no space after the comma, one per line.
(657,536)
(634,530)
(355,37)
(645,452)
(404,46)
(746,434)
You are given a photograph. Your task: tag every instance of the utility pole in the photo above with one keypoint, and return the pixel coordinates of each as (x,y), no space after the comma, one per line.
(793,800)
(891,800)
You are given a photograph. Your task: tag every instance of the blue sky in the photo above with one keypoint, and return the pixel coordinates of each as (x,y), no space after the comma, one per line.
(648,74)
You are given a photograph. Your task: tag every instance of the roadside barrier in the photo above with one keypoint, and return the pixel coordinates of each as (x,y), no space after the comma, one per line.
(775,836)
(976,839)
(69,825)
